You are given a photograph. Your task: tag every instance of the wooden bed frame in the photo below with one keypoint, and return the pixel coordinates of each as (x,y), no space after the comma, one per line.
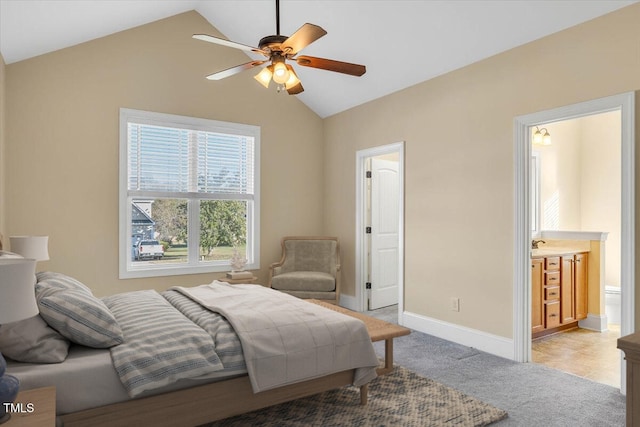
(204,404)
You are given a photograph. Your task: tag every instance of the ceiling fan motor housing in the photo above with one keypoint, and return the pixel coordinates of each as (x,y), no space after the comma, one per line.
(272,43)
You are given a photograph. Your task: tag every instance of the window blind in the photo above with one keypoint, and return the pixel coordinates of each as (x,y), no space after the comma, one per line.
(181,160)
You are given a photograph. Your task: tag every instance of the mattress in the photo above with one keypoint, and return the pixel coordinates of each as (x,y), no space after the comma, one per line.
(87,379)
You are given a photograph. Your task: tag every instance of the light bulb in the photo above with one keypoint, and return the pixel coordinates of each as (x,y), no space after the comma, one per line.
(293,79)
(541,136)
(537,136)
(264,76)
(280,73)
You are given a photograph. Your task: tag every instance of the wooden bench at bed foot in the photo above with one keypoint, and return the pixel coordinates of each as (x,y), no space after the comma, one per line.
(378,330)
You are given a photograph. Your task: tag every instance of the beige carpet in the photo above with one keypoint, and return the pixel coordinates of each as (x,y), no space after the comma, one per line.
(401,398)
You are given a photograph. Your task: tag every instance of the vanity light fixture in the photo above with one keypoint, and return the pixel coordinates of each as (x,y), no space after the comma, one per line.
(541,136)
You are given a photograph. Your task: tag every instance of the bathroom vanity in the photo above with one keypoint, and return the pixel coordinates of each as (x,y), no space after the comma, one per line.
(559,286)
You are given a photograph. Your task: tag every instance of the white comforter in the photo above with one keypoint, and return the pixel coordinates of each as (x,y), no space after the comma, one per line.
(285,339)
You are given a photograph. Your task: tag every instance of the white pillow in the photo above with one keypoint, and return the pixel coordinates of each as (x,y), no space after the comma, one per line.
(32,341)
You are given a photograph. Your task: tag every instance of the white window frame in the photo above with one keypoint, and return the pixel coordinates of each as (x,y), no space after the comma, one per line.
(536,175)
(127,268)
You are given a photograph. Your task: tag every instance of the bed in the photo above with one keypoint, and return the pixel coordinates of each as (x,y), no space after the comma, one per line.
(186,356)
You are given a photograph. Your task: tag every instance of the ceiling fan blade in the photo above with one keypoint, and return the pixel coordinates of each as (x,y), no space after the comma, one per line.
(302,38)
(295,89)
(228,43)
(331,65)
(234,70)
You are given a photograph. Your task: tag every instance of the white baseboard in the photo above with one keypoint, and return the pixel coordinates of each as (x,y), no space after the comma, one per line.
(595,322)
(348,301)
(496,345)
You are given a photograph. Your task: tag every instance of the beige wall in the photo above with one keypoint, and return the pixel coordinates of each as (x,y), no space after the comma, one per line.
(601,185)
(459,170)
(580,183)
(62,142)
(560,168)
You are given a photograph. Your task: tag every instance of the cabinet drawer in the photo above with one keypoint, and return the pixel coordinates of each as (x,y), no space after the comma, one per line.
(552,293)
(552,314)
(552,263)
(552,278)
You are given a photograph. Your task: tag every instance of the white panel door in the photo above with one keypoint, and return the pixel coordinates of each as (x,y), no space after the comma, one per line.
(384,233)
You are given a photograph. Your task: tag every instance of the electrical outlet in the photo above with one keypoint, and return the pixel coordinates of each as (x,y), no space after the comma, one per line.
(455,304)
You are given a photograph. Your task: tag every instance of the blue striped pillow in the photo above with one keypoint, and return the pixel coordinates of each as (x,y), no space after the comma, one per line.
(69,307)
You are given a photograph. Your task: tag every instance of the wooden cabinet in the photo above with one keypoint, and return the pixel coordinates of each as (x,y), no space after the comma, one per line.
(551,292)
(558,292)
(567,290)
(537,309)
(580,285)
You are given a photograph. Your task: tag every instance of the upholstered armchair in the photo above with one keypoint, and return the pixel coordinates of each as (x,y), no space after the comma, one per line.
(309,268)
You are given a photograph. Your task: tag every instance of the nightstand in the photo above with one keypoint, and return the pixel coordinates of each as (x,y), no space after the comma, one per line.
(37,408)
(249,280)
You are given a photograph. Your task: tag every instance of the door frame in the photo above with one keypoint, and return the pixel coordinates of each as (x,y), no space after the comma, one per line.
(625,103)
(361,251)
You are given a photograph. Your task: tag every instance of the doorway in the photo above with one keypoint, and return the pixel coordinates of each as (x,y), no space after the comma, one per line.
(522,245)
(380,227)
(575,188)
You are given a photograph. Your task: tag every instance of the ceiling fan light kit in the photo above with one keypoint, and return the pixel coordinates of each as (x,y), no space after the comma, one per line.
(264,76)
(278,49)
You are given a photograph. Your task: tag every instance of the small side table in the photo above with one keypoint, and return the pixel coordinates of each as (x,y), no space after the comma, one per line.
(252,279)
(37,408)
(630,344)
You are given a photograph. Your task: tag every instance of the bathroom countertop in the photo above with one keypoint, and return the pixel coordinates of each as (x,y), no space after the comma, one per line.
(554,251)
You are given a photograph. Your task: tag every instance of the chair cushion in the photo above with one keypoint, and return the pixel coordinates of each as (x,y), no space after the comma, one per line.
(314,281)
(310,255)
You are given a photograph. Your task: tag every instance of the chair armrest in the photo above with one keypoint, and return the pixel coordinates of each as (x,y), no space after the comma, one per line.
(274,270)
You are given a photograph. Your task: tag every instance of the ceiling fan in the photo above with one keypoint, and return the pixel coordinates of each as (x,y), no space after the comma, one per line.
(278,49)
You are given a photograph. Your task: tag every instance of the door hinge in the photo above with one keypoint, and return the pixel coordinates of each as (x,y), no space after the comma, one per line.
(368,174)
(367,230)
(367,285)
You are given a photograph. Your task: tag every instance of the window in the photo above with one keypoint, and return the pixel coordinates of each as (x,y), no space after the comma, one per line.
(535,194)
(189,194)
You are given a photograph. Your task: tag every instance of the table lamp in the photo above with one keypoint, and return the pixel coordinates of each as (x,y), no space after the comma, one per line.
(32,247)
(17,302)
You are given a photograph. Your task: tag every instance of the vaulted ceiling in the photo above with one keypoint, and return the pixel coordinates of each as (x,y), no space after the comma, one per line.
(400,42)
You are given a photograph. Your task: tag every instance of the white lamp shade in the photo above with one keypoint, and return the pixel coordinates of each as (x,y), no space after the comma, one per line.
(264,76)
(33,247)
(17,293)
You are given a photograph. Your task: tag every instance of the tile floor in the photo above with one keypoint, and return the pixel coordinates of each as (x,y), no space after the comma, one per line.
(582,352)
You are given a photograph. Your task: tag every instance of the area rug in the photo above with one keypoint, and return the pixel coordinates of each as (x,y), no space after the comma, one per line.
(401,398)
